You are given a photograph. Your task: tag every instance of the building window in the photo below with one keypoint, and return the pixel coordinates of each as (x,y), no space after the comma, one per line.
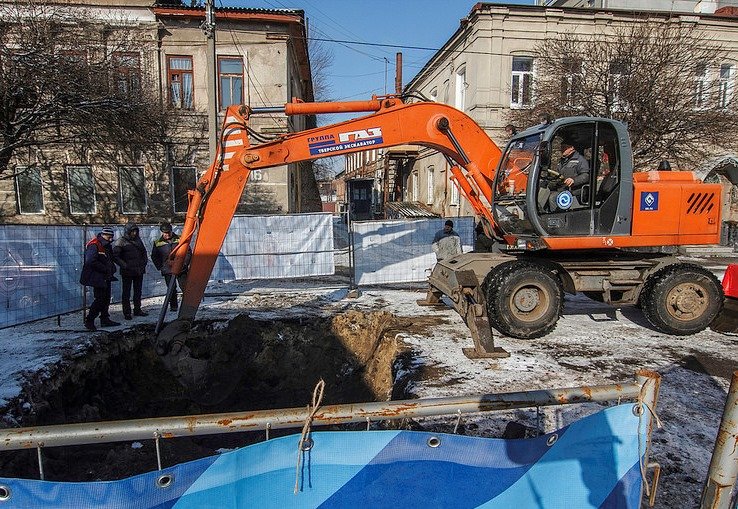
(29,190)
(522,82)
(230,79)
(570,84)
(132,189)
(81,190)
(454,192)
(431,185)
(179,72)
(183,179)
(416,189)
(701,86)
(725,93)
(434,95)
(460,97)
(127,73)
(619,73)
(446,88)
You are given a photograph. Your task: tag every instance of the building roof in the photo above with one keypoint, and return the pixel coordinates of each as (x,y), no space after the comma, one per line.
(407,210)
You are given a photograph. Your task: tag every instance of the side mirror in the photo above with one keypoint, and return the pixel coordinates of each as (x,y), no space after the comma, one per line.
(544,154)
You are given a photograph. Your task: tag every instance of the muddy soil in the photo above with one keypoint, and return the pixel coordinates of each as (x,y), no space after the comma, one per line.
(269,364)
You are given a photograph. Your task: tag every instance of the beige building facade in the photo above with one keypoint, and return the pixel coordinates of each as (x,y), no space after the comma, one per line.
(488,67)
(261,59)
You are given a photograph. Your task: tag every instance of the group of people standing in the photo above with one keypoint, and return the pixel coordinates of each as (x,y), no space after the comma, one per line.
(102,255)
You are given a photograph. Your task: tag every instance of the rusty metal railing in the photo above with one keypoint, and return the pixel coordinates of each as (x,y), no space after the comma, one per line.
(644,389)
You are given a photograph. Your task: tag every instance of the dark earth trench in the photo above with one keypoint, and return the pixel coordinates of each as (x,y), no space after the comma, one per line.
(266,365)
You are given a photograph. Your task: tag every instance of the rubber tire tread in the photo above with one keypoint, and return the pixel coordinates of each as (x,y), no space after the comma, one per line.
(657,287)
(501,319)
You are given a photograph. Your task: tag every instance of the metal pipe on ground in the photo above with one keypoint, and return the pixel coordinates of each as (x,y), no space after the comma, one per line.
(172,427)
(723,472)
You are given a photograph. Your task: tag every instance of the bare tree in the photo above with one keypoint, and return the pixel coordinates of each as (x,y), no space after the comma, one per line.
(661,77)
(66,80)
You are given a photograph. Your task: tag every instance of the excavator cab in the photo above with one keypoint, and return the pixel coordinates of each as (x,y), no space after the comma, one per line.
(564,179)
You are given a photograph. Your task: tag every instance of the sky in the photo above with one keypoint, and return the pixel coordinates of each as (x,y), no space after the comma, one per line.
(360,70)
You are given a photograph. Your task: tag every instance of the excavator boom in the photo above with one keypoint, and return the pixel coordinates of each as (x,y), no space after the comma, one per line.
(391,122)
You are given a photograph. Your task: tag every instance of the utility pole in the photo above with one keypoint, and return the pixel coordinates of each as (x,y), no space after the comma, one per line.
(208,26)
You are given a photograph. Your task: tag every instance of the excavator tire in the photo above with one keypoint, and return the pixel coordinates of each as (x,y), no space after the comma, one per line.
(682,299)
(524,299)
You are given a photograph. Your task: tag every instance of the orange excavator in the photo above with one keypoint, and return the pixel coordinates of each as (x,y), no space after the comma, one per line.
(602,233)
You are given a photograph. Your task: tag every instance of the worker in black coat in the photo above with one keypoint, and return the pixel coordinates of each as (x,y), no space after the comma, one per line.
(130,254)
(160,252)
(98,272)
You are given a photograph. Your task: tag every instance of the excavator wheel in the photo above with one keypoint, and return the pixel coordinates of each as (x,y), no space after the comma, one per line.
(524,299)
(682,299)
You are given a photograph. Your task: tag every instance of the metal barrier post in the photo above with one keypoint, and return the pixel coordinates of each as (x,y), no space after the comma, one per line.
(650,383)
(723,471)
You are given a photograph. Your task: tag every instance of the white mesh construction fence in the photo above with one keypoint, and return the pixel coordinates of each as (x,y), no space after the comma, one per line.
(400,251)
(267,247)
(40,265)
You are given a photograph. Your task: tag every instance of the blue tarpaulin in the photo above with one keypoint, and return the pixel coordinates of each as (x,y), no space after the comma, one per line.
(592,463)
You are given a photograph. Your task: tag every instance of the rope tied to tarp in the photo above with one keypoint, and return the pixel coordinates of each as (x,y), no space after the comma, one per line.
(305,436)
(641,452)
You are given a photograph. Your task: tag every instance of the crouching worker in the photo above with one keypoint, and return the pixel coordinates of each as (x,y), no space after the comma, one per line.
(98,272)
(163,247)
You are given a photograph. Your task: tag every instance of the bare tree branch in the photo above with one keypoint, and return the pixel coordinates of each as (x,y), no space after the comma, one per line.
(660,77)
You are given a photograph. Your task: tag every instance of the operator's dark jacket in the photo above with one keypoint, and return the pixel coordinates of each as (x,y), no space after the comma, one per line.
(160,254)
(99,268)
(130,254)
(576,167)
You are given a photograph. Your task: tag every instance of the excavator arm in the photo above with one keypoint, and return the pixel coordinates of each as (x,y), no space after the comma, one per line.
(474,157)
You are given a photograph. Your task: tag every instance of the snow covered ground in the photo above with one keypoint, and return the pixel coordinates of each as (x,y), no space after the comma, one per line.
(592,344)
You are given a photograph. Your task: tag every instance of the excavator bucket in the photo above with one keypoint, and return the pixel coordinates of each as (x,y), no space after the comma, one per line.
(727,320)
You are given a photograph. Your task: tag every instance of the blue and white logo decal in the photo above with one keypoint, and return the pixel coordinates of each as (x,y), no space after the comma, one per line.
(564,200)
(649,200)
(348,140)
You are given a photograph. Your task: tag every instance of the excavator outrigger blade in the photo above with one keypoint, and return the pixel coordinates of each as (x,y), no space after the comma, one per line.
(727,320)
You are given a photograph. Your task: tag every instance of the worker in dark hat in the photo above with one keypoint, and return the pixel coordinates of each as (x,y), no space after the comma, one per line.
(98,272)
(446,242)
(573,172)
(132,256)
(160,252)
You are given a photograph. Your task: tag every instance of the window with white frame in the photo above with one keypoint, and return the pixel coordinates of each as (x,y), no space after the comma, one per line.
(521,90)
(183,179)
(570,81)
(81,188)
(433,94)
(701,87)
(619,74)
(431,185)
(132,189)
(460,89)
(454,191)
(416,187)
(725,91)
(29,190)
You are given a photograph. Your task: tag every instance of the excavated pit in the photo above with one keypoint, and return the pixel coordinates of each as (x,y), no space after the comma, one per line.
(265,365)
